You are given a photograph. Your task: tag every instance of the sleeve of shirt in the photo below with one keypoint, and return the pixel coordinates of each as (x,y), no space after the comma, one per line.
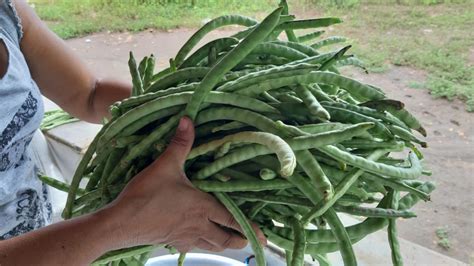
(10,22)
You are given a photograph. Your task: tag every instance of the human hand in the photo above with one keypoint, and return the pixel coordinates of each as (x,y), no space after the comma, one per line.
(160,206)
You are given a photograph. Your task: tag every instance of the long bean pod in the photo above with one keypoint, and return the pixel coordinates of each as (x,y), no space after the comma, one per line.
(219,44)
(362,91)
(229,61)
(392,231)
(211,25)
(340,190)
(299,246)
(413,171)
(245,225)
(276,144)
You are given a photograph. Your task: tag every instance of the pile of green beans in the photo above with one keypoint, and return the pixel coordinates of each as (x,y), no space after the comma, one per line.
(282,139)
(56,118)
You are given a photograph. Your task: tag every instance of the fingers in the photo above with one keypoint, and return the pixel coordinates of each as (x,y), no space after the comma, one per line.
(261,237)
(220,215)
(223,239)
(203,244)
(181,143)
(183,248)
(215,239)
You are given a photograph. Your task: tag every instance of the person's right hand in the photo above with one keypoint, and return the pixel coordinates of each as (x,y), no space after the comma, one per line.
(160,206)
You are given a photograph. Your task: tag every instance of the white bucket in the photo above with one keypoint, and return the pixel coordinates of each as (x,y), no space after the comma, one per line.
(194,259)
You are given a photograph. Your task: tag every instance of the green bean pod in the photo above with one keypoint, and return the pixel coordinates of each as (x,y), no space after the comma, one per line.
(299,245)
(307,50)
(414,171)
(328,41)
(130,103)
(312,103)
(276,144)
(365,111)
(230,60)
(181,258)
(354,87)
(177,77)
(340,190)
(229,126)
(348,116)
(138,149)
(222,44)
(371,144)
(260,60)
(406,135)
(279,50)
(289,33)
(396,109)
(136,79)
(120,254)
(245,225)
(308,24)
(352,61)
(397,259)
(257,77)
(244,33)
(241,185)
(57,184)
(375,212)
(210,26)
(142,67)
(310,36)
(267,174)
(317,176)
(364,228)
(148,76)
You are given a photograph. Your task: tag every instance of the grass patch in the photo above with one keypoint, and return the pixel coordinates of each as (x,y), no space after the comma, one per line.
(432,35)
(72,18)
(416,85)
(423,34)
(443,240)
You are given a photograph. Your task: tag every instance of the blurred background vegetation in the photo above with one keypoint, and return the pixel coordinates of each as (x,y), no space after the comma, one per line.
(432,35)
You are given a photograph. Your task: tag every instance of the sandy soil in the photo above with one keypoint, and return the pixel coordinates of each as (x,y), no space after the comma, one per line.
(451,158)
(450,128)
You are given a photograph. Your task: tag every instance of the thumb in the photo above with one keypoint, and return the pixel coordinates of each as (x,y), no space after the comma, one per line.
(181,144)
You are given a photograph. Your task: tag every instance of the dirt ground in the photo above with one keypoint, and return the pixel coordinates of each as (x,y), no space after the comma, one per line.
(450,132)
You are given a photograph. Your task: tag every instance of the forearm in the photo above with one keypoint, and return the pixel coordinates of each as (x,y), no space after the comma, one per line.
(74,242)
(61,75)
(103,95)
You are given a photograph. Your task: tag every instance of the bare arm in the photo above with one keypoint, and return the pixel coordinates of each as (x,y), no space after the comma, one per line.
(73,242)
(61,75)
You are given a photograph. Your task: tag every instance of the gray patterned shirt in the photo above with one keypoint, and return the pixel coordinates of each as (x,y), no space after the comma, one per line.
(24,204)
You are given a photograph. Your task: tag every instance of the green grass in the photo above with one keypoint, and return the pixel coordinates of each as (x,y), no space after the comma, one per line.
(443,238)
(73,18)
(423,34)
(433,37)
